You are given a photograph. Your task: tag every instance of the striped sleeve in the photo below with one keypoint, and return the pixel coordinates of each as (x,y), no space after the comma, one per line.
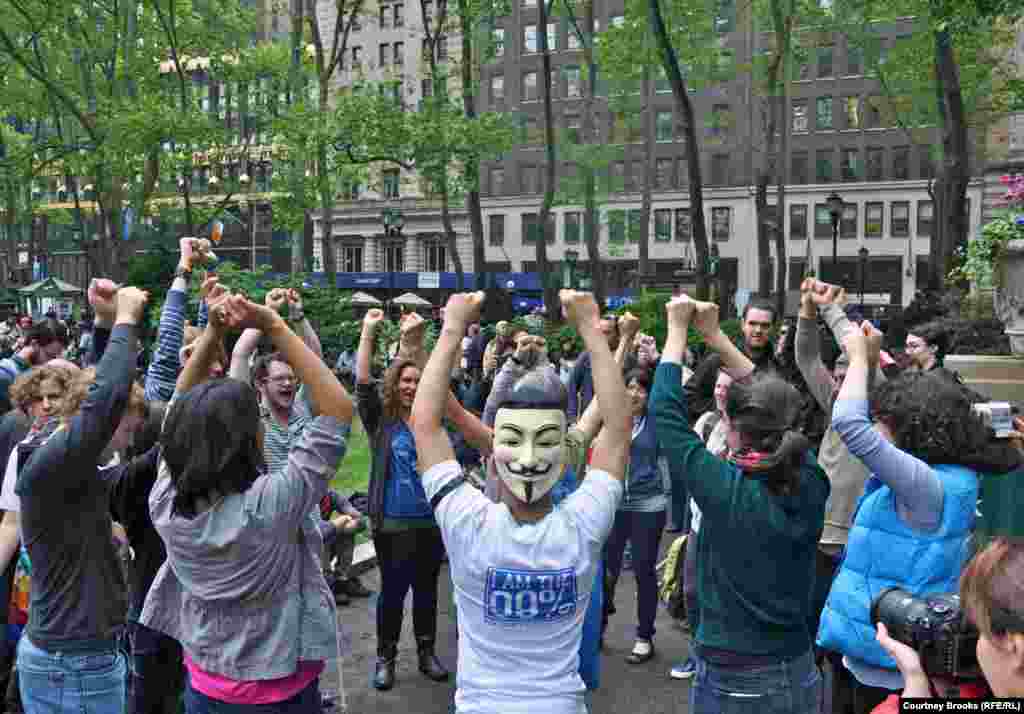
(162,375)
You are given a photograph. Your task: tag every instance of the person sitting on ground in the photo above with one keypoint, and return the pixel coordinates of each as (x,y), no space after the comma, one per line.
(925,449)
(243,550)
(523,570)
(69,657)
(762,510)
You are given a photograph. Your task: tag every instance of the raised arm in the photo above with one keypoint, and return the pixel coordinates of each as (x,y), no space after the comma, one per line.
(88,432)
(327,396)
(297,316)
(197,369)
(432,443)
(364,354)
(611,448)
(705,319)
(918,490)
(807,349)
(242,353)
(102,296)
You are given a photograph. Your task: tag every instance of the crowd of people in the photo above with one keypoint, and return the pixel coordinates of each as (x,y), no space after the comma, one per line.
(170,539)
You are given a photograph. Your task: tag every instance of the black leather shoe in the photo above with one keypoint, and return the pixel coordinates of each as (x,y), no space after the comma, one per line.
(384,669)
(430,665)
(353,588)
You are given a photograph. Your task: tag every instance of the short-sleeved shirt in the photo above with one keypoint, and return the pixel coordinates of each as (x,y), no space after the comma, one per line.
(522,592)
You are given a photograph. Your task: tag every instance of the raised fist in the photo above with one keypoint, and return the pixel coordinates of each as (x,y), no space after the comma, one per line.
(373,318)
(131,304)
(629,325)
(463,309)
(276,299)
(579,308)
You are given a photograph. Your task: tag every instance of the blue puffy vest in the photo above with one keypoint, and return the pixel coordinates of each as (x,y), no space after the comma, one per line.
(883,552)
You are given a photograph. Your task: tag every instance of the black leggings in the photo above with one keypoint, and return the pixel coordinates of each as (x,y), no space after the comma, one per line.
(643,531)
(410,558)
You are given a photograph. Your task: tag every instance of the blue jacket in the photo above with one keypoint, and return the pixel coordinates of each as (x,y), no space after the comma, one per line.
(884,552)
(644,478)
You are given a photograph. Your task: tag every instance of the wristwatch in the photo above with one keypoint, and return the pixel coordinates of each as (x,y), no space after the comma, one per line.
(181,272)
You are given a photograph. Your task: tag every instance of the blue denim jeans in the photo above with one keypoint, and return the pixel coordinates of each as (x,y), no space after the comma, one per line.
(787,687)
(305,702)
(57,682)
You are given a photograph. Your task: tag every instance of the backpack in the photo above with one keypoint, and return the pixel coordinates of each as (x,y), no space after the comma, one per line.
(670,587)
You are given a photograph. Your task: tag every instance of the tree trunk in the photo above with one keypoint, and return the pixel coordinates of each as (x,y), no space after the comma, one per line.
(646,197)
(950,188)
(472,168)
(591,223)
(679,92)
(298,235)
(551,304)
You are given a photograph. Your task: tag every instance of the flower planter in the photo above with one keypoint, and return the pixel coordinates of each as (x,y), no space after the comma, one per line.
(1009,293)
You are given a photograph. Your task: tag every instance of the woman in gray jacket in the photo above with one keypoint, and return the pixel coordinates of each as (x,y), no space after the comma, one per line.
(242,589)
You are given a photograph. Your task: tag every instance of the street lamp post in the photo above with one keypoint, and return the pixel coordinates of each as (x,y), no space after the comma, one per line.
(394,222)
(835,212)
(863,253)
(571,256)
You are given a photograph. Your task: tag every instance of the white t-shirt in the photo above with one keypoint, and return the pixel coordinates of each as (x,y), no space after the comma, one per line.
(9,500)
(522,593)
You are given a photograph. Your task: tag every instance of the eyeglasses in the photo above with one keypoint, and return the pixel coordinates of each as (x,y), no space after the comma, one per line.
(283,380)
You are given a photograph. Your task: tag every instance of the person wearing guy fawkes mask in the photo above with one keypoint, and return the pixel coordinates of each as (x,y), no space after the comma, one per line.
(523,569)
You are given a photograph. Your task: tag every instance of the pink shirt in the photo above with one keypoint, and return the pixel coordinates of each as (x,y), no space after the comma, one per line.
(260,691)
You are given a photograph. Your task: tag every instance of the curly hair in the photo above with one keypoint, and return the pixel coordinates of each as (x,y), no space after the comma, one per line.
(935,333)
(26,387)
(391,400)
(930,417)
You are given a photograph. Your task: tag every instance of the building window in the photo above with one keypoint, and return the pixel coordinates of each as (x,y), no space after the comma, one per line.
(529,3)
(925,214)
(798,221)
(552,37)
(874,219)
(663,126)
(529,38)
(390,183)
(399,15)
(357,57)
(497,89)
(616,226)
(720,170)
(663,173)
(663,225)
(822,221)
(823,115)
(385,17)
(848,221)
(496,225)
(572,128)
(799,115)
(825,61)
(850,166)
(529,179)
(874,164)
(633,225)
(442,47)
(394,257)
(721,121)
(720,219)
(573,82)
(684,232)
(435,257)
(854,59)
(823,165)
(851,107)
(350,258)
(498,41)
(798,169)
(532,131)
(385,54)
(497,181)
(901,163)
(530,87)
(572,227)
(399,53)
(874,113)
(927,167)
(661,83)
(900,219)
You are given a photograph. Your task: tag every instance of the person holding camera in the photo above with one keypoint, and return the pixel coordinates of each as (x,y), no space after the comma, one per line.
(911,527)
(992,594)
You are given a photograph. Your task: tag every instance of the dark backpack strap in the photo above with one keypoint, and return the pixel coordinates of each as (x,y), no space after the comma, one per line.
(448,488)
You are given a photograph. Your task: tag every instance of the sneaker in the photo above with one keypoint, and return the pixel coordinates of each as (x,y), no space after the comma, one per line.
(684,670)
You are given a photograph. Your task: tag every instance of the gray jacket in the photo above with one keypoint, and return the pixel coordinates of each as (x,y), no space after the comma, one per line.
(242,589)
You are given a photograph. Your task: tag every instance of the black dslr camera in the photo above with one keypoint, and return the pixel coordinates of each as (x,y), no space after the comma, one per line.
(935,626)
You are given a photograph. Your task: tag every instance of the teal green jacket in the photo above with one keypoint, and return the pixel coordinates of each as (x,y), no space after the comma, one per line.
(756,550)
